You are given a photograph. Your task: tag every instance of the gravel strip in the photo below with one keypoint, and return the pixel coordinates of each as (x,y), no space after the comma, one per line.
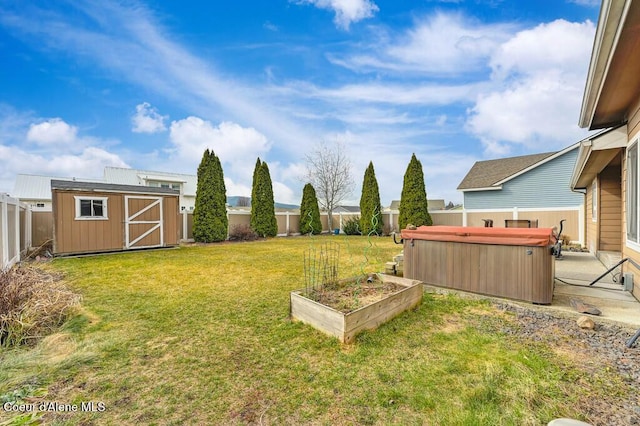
(594,350)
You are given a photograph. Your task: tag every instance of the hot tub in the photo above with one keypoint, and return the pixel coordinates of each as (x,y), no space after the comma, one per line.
(514,263)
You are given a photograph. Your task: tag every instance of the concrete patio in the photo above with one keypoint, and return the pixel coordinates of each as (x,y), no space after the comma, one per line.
(573,275)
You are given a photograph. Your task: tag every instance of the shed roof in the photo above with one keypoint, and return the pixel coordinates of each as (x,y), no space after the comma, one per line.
(486,173)
(110,187)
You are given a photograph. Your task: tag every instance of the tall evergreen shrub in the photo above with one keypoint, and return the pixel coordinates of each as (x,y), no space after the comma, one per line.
(370,208)
(210,221)
(413,202)
(309,211)
(263,213)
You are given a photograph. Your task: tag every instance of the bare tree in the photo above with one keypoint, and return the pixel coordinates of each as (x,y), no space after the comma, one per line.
(329,171)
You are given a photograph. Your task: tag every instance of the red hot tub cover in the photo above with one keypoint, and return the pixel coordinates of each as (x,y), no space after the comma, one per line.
(477,235)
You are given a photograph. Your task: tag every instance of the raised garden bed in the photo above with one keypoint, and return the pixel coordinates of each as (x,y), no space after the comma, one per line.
(394,296)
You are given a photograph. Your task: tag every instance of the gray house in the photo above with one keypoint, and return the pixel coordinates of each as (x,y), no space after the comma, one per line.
(534,188)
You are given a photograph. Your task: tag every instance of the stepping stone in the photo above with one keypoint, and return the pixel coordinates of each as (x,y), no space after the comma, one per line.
(584,308)
(567,422)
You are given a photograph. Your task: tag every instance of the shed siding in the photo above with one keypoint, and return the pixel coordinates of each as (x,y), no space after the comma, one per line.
(72,236)
(82,236)
(548,185)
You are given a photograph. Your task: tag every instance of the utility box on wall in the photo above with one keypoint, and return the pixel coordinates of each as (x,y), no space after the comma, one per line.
(628,281)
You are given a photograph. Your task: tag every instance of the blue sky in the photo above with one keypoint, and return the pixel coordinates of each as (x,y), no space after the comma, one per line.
(150,85)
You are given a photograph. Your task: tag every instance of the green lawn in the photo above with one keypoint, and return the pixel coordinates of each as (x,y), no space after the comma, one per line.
(201,335)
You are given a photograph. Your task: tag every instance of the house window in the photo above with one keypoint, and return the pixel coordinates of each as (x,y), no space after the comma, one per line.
(594,200)
(91,208)
(632,193)
(166,185)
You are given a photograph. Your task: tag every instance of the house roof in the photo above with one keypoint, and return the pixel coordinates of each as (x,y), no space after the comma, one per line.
(125,176)
(488,173)
(35,187)
(109,187)
(612,84)
(596,152)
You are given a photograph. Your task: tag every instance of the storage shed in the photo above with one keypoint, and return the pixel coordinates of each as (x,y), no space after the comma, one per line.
(92,217)
(515,263)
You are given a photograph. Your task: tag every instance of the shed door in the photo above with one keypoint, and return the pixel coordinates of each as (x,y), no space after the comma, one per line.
(143,222)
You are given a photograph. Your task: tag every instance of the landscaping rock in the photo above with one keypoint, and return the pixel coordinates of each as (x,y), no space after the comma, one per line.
(586,323)
(605,349)
(584,308)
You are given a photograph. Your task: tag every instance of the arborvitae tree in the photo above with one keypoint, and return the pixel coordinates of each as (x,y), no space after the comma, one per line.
(413,202)
(210,221)
(370,208)
(309,211)
(254,186)
(263,213)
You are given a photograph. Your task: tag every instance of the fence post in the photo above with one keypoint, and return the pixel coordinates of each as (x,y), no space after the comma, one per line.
(287,230)
(4,234)
(16,221)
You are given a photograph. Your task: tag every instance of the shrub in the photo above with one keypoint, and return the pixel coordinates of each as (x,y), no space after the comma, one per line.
(263,214)
(242,232)
(309,211)
(370,208)
(413,200)
(33,303)
(210,221)
(352,226)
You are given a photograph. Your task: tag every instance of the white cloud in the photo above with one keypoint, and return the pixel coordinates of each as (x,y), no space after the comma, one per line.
(448,43)
(89,163)
(60,150)
(441,44)
(270,26)
(283,194)
(52,132)
(397,94)
(147,119)
(588,3)
(231,142)
(347,11)
(539,78)
(236,189)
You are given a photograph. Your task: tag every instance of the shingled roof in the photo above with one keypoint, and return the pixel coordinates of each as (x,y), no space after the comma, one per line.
(486,173)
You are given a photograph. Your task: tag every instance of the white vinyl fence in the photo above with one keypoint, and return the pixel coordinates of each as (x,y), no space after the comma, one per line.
(15,230)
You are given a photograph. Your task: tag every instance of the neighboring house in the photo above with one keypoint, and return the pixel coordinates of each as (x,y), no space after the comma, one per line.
(186,184)
(608,166)
(35,190)
(531,187)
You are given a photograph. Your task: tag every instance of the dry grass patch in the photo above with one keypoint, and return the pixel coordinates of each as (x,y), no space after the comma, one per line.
(33,303)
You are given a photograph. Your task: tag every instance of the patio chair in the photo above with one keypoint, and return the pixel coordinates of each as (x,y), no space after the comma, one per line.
(488,223)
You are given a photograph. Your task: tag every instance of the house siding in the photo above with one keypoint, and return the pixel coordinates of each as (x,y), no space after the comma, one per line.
(626,250)
(610,208)
(547,185)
